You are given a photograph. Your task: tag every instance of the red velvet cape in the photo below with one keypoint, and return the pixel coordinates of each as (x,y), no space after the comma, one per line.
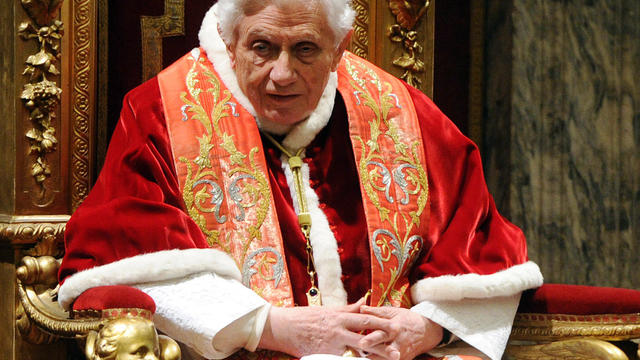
(136,206)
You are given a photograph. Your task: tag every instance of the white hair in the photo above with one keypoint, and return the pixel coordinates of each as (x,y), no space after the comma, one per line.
(339,14)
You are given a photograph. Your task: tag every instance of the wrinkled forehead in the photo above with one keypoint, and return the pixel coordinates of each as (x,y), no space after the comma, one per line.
(300,19)
(289,6)
(281,19)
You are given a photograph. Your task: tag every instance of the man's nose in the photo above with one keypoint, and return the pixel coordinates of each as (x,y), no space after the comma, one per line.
(283,73)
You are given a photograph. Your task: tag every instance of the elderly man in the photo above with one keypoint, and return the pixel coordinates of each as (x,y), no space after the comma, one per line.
(267,185)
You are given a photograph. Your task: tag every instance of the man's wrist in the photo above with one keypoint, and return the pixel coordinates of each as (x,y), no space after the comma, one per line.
(272,334)
(446,337)
(261,316)
(434,333)
(267,336)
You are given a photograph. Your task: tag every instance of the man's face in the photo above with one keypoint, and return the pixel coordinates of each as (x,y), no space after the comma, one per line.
(282,58)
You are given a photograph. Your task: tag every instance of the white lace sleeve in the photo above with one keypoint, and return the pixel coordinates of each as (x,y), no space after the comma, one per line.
(484,324)
(213,315)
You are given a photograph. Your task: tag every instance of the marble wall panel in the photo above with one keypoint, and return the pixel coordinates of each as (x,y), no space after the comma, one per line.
(573,135)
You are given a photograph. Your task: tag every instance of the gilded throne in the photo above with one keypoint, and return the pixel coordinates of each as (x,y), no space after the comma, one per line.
(63,103)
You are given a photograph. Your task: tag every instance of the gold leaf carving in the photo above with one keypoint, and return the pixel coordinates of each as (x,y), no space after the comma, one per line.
(408,14)
(43,12)
(40,95)
(548,327)
(574,349)
(81,100)
(28,331)
(48,237)
(41,270)
(360,39)
(39,307)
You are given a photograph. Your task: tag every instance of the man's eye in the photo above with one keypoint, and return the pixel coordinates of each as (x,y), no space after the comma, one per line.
(261,48)
(306,49)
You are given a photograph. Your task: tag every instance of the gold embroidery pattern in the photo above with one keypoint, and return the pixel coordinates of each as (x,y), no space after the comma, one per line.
(399,195)
(247,186)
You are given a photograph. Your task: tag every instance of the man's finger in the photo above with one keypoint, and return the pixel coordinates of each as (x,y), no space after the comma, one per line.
(361,322)
(393,352)
(375,338)
(373,356)
(355,307)
(386,312)
(378,352)
(388,352)
(350,339)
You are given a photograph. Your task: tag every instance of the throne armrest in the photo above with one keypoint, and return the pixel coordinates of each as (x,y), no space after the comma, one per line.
(583,322)
(110,319)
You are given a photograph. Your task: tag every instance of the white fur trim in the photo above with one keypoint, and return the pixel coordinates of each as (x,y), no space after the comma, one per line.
(304,132)
(474,286)
(151,267)
(299,135)
(325,246)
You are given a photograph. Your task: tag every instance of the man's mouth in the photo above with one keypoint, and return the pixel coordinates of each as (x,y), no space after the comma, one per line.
(282,97)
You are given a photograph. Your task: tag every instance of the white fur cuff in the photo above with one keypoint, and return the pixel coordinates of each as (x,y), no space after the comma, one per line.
(474,286)
(151,267)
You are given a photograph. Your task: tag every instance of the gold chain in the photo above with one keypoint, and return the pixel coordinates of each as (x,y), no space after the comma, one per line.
(304,218)
(314,297)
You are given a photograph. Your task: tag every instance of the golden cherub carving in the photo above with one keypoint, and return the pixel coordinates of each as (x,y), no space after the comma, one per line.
(130,339)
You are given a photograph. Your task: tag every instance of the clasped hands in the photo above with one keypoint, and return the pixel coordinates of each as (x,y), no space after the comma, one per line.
(383,333)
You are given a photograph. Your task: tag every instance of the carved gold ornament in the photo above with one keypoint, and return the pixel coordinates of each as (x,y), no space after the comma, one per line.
(360,39)
(81,99)
(36,278)
(560,336)
(40,95)
(575,349)
(549,327)
(110,334)
(130,338)
(47,235)
(408,14)
(154,29)
(43,12)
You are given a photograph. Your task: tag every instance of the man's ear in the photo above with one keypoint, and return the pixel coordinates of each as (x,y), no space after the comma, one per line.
(340,50)
(230,50)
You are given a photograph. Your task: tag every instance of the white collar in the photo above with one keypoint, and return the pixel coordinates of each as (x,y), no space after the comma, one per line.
(298,135)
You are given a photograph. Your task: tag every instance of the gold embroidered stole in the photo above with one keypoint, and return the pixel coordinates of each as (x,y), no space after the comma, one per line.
(223,174)
(222,171)
(389,154)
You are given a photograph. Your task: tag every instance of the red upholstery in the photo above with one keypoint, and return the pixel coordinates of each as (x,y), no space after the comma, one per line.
(114,297)
(579,300)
